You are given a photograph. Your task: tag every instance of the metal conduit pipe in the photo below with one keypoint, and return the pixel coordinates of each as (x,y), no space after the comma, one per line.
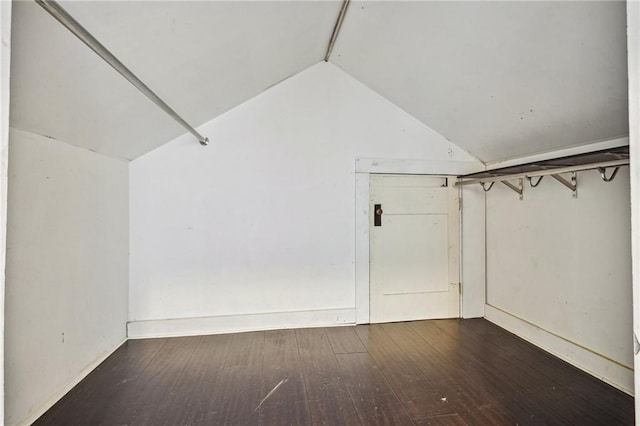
(62,16)
(336,29)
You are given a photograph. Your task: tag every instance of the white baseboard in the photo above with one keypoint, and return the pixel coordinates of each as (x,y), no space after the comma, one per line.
(62,392)
(240,323)
(607,370)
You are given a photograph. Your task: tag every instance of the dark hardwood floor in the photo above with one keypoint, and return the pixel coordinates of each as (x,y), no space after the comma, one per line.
(444,372)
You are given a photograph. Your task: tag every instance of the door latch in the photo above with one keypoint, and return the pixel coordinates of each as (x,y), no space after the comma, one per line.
(377,217)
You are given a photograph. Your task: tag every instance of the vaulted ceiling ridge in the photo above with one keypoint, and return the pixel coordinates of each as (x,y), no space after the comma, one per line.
(500,80)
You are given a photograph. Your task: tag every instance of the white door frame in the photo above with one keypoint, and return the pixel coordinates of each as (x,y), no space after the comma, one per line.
(364,167)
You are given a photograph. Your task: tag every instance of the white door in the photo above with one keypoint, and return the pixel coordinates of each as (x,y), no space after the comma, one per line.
(414,259)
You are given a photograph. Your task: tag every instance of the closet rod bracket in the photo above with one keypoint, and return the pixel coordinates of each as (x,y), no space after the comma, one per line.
(484,186)
(603,173)
(533,185)
(572,184)
(517,189)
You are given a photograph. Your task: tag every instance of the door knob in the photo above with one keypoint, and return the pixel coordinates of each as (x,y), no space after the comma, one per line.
(377,218)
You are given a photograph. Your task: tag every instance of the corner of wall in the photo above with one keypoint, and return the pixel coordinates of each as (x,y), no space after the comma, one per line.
(473,265)
(5,70)
(67,258)
(633,63)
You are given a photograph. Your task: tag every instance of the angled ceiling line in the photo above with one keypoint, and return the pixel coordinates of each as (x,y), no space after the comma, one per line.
(62,16)
(336,29)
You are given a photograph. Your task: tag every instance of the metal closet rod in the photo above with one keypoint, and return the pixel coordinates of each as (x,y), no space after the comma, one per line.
(547,172)
(85,36)
(336,29)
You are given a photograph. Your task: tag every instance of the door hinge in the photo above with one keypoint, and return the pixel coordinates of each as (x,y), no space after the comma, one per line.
(460,203)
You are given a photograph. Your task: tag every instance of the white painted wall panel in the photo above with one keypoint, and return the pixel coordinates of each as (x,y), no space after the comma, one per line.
(564,264)
(5,70)
(473,260)
(262,220)
(67,268)
(633,49)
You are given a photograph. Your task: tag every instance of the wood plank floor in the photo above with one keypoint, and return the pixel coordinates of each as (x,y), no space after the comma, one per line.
(444,372)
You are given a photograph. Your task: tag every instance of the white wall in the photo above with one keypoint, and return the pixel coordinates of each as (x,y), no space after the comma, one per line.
(473,270)
(67,268)
(559,271)
(633,51)
(5,70)
(262,220)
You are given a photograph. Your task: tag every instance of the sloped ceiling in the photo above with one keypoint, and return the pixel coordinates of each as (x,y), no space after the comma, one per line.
(499,79)
(202,58)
